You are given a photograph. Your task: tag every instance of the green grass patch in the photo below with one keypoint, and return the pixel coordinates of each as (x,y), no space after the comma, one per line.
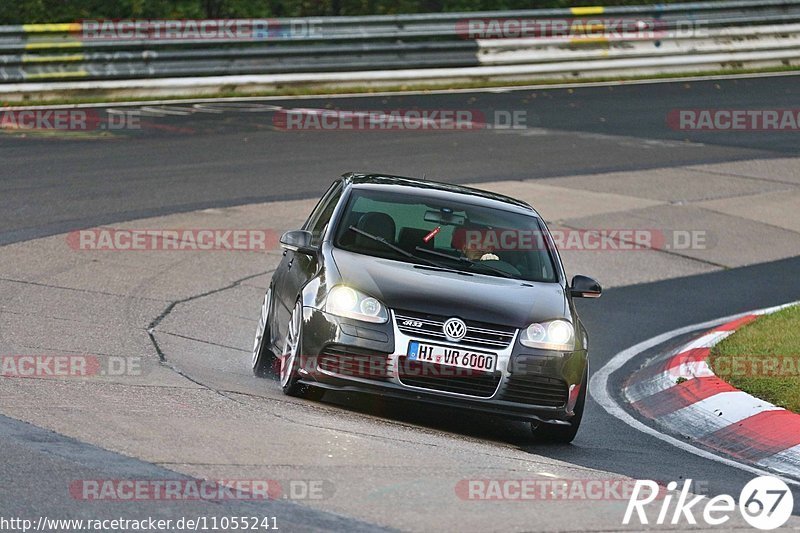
(763,358)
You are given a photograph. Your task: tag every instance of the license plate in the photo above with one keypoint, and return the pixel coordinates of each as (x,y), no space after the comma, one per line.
(450,356)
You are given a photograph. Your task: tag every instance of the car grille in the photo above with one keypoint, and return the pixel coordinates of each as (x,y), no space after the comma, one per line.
(440,378)
(355,362)
(535,390)
(479,334)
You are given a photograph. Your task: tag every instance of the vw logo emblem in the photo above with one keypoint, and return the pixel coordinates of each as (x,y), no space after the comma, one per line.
(454,329)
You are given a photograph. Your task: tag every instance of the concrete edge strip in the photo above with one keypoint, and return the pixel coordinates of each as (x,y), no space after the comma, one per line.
(600,391)
(440,74)
(377,94)
(682,393)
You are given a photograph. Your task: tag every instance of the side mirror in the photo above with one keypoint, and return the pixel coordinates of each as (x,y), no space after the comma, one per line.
(585,287)
(298,241)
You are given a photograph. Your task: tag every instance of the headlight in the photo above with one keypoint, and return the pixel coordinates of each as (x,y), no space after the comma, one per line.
(350,303)
(553,335)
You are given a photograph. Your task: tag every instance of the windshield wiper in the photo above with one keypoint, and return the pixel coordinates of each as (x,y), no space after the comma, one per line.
(394,247)
(444,269)
(467,260)
(404,253)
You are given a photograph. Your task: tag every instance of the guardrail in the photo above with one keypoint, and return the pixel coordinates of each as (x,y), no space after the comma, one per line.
(690,36)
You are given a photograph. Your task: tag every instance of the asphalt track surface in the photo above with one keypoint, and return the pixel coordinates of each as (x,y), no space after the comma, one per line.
(183,163)
(53,185)
(31,454)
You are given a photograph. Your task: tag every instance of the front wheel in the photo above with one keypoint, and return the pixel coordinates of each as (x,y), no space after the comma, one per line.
(291,359)
(561,433)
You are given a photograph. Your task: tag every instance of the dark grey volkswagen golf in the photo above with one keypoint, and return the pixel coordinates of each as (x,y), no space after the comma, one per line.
(409,288)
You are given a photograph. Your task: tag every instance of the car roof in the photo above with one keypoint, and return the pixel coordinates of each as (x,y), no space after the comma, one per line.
(416,186)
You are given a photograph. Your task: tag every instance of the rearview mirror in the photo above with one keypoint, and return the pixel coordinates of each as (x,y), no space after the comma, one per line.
(298,241)
(444,217)
(585,287)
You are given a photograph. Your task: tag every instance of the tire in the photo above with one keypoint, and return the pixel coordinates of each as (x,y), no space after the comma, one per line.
(560,433)
(263,358)
(290,359)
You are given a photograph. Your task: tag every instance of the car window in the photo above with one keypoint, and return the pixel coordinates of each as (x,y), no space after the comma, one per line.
(494,238)
(320,207)
(322,213)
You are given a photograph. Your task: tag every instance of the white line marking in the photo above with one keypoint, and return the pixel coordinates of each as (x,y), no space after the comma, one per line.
(221,107)
(160,110)
(707,341)
(598,387)
(645,388)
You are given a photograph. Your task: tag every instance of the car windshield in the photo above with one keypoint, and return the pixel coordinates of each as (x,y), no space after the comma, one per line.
(450,234)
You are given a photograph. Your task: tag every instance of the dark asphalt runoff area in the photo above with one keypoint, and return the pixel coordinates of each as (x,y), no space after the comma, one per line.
(44,467)
(174,163)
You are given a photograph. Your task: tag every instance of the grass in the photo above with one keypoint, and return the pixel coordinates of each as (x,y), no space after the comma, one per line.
(763,358)
(311,89)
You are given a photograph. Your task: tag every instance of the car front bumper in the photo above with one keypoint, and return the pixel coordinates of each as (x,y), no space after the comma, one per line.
(351,356)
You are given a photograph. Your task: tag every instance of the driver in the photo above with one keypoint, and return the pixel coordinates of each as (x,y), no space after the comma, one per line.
(477,254)
(474,249)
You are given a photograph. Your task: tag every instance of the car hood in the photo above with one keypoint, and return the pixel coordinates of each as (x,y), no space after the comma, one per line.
(477,297)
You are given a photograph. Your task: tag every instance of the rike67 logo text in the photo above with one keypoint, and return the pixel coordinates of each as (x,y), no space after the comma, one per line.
(765,503)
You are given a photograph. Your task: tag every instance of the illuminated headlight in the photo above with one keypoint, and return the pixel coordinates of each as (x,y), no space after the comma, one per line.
(350,303)
(553,335)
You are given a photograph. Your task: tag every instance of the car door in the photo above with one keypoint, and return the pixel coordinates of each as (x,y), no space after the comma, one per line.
(297,268)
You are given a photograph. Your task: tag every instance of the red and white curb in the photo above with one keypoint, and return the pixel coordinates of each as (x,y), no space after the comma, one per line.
(682,394)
